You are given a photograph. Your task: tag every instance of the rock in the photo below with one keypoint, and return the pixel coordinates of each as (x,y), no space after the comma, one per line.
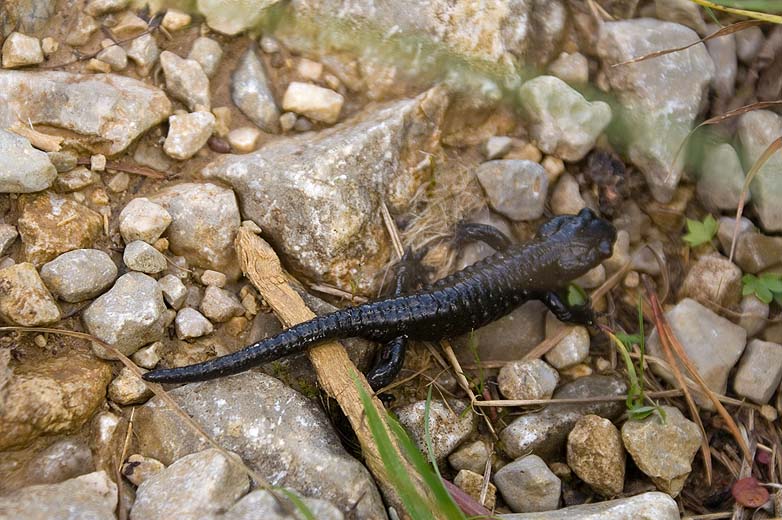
(312,101)
(663,450)
(748,43)
(128,25)
(244,139)
(566,198)
(276,431)
(174,291)
(544,432)
(755,252)
(759,372)
(129,316)
(143,220)
(220,305)
(187,133)
(659,98)
(82,31)
(596,455)
(533,379)
(144,52)
(92,496)
(63,161)
(208,53)
(713,279)
(52,395)
(119,182)
(8,234)
(127,389)
(233,18)
(592,279)
(24,299)
(142,257)
(756,130)
(251,93)
(515,188)
(497,146)
(712,343)
(472,484)
(205,221)
(186,81)
(29,16)
(472,457)
(114,55)
(147,357)
(79,275)
(572,349)
(138,468)
(20,50)
(23,169)
(262,504)
(754,314)
(722,178)
(175,20)
(723,53)
(682,12)
(127,106)
(572,68)
(561,121)
(101,7)
(337,179)
(191,324)
(76,179)
(196,486)
(66,458)
(527,485)
(646,506)
(448,427)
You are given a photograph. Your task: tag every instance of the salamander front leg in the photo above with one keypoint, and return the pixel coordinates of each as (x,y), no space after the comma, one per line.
(470,232)
(582,314)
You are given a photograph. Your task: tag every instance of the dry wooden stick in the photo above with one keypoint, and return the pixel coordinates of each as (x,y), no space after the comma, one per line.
(334,369)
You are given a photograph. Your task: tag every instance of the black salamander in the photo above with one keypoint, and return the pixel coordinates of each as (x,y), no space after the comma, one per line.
(564,248)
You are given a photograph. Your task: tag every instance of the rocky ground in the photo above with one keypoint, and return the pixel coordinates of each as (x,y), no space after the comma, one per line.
(135,141)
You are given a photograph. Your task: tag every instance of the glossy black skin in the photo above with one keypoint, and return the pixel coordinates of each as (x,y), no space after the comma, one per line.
(565,248)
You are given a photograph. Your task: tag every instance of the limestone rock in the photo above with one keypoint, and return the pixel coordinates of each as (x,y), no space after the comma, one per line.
(24,299)
(79,275)
(23,169)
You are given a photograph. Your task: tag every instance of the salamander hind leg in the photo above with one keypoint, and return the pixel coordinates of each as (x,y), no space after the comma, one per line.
(581,314)
(471,232)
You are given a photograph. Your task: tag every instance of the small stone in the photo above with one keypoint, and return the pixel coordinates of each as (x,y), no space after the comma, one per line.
(79,275)
(563,123)
(312,101)
(174,291)
(572,349)
(448,427)
(755,251)
(244,139)
(142,257)
(96,65)
(82,31)
(756,131)
(748,43)
(101,7)
(98,162)
(722,178)
(129,316)
(723,52)
(472,457)
(144,52)
(621,253)
(497,146)
(554,167)
(214,278)
(20,50)
(712,343)
(713,279)
(208,53)
(193,297)
(533,379)
(147,357)
(191,324)
(175,20)
(269,45)
(49,45)
(128,26)
(24,299)
(139,468)
(528,485)
(119,182)
(566,198)
(186,81)
(472,484)
(188,133)
(127,389)
(309,70)
(515,188)
(572,68)
(114,55)
(592,279)
(223,118)
(23,169)
(218,144)
(8,235)
(754,314)
(759,372)
(76,179)
(287,121)
(196,486)
(646,261)
(663,450)
(683,12)
(143,220)
(251,93)
(64,160)
(646,506)
(220,305)
(596,455)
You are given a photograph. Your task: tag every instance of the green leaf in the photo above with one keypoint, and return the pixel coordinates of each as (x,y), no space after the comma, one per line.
(765,287)
(641,412)
(629,339)
(699,233)
(576,297)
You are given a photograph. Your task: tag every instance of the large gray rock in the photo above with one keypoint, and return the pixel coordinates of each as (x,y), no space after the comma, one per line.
(757,130)
(205,219)
(79,275)
(759,371)
(250,92)
(186,81)
(712,343)
(92,496)
(647,506)
(196,486)
(595,453)
(448,425)
(544,432)
(528,485)
(317,196)
(276,431)
(722,178)
(659,98)
(23,169)
(106,112)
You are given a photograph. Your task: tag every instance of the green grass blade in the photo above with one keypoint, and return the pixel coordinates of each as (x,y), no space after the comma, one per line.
(299,504)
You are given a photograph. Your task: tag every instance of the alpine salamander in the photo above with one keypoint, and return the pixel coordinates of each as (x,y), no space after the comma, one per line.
(564,248)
